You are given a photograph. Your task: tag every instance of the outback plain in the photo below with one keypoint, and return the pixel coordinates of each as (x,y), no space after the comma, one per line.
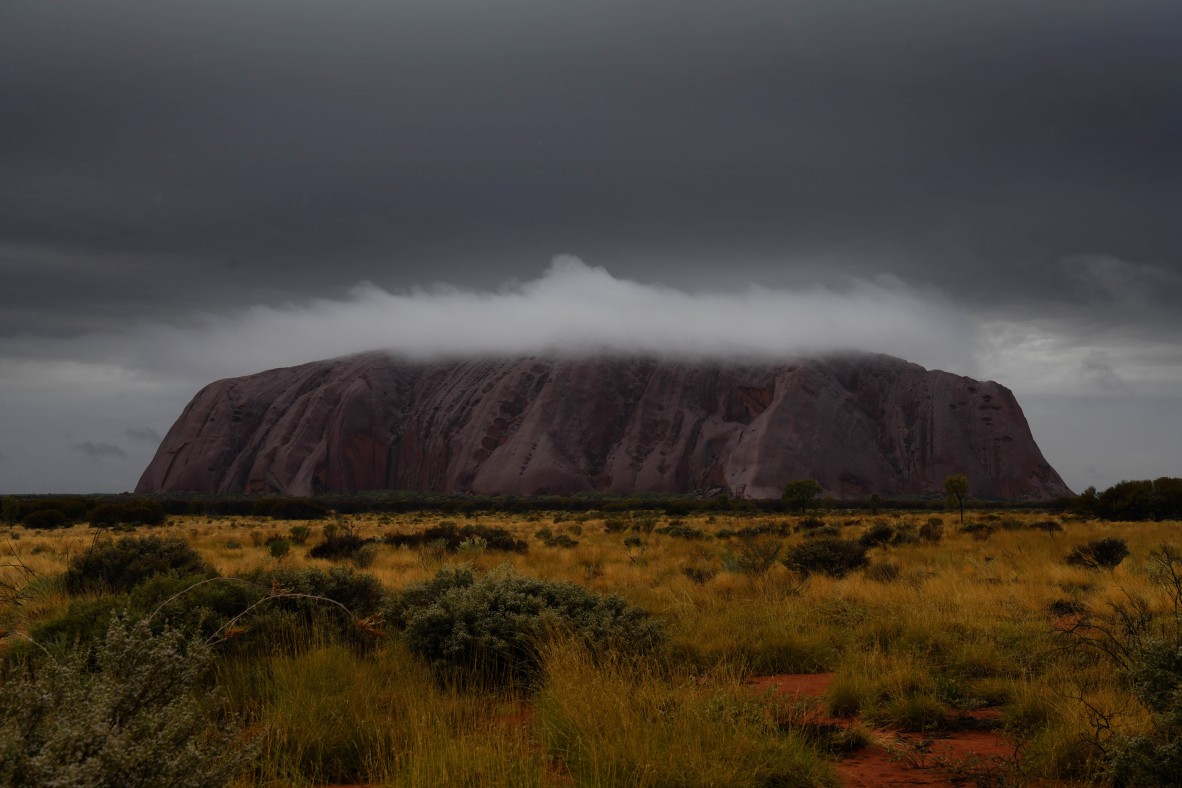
(725,646)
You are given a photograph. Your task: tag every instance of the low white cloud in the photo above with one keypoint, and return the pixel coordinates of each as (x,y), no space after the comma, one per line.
(109,396)
(571,308)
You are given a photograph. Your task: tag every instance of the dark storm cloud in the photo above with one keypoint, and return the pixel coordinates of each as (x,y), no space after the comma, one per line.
(143,435)
(968,144)
(97,450)
(189,188)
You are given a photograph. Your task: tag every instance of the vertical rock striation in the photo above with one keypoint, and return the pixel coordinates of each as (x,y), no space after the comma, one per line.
(529,426)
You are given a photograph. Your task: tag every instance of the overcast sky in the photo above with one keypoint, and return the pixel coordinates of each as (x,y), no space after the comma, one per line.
(193,190)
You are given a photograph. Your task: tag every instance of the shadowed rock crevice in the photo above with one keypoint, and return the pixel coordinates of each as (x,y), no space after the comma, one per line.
(857,423)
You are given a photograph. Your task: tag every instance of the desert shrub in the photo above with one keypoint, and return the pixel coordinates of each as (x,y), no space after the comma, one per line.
(1147,650)
(560,540)
(1104,553)
(1066,607)
(614,525)
(490,627)
(932,530)
(1050,526)
(680,530)
(809,523)
(699,573)
(44,518)
(279,547)
(495,538)
(878,535)
(980,530)
(764,529)
(365,556)
(823,531)
(828,556)
(338,545)
(119,566)
(137,718)
(300,533)
(755,557)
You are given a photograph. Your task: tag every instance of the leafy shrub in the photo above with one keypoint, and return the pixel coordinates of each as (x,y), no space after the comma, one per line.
(495,538)
(878,535)
(365,556)
(44,518)
(764,529)
(809,523)
(300,533)
(119,566)
(980,530)
(828,556)
(134,720)
(491,627)
(824,530)
(757,556)
(932,531)
(108,515)
(338,545)
(682,531)
(1104,553)
(279,547)
(699,573)
(614,525)
(561,540)
(1050,526)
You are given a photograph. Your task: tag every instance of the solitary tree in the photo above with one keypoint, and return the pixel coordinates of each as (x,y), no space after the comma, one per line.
(801,493)
(957,489)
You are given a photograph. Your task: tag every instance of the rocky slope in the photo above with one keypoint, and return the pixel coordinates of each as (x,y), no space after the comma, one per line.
(857,424)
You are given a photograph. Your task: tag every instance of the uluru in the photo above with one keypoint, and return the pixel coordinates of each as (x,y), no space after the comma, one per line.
(857,423)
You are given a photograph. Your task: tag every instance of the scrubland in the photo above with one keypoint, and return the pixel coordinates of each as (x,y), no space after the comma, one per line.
(1081,662)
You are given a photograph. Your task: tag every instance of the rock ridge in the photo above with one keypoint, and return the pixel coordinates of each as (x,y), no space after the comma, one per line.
(857,423)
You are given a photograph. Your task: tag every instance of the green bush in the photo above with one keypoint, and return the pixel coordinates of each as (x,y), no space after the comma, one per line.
(137,718)
(1104,553)
(279,547)
(827,556)
(119,566)
(491,627)
(932,531)
(878,535)
(45,518)
(338,545)
(495,538)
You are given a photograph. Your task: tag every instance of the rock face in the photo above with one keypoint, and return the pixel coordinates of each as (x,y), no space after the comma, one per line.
(529,426)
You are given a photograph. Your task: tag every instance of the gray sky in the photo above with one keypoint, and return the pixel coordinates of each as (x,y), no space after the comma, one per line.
(191,190)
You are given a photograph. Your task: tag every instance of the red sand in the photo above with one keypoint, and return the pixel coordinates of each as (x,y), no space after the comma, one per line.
(953,757)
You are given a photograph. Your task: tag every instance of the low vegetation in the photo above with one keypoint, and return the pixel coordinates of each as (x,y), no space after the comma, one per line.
(609,646)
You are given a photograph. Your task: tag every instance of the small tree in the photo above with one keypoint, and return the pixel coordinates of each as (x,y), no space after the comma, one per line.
(801,493)
(956,488)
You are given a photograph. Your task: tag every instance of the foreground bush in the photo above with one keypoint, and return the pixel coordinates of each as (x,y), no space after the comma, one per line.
(119,566)
(277,610)
(134,720)
(827,556)
(492,626)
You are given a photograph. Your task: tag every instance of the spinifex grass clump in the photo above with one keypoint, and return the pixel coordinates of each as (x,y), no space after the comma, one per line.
(491,627)
(1104,553)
